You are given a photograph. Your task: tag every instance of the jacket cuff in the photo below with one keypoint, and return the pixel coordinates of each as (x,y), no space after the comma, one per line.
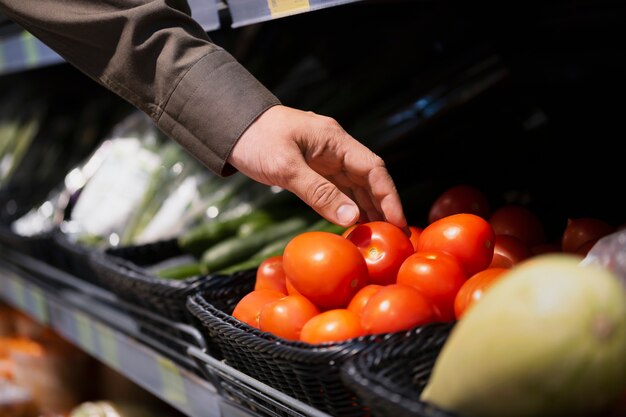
(211,107)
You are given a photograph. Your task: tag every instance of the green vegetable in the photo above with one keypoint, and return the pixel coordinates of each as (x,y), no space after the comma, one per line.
(202,237)
(235,249)
(182,271)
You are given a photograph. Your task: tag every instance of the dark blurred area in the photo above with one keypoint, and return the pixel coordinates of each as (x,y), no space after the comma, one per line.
(523,99)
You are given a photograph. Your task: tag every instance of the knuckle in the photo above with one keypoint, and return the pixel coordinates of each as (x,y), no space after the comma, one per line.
(322,195)
(378,162)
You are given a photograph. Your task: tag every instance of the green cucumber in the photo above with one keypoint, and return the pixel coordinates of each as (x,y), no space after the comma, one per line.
(181,271)
(202,237)
(236,249)
(256,221)
(241,266)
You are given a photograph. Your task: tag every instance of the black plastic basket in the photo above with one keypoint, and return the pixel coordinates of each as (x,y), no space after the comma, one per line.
(309,373)
(39,246)
(124,271)
(73,257)
(390,378)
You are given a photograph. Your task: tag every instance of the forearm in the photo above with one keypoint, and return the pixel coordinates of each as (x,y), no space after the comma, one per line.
(158,58)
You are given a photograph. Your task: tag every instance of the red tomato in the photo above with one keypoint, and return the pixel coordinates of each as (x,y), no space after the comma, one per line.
(473,289)
(415,234)
(518,221)
(286,316)
(582,230)
(360,299)
(460,198)
(249,307)
(348,230)
(436,274)
(396,307)
(384,247)
(324,267)
(509,251)
(290,289)
(271,275)
(467,236)
(332,326)
(584,249)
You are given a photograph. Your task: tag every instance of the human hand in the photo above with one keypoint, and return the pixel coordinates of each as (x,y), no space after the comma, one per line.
(316,159)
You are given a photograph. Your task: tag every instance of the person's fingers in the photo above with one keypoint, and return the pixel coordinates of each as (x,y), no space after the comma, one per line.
(316,159)
(384,192)
(323,196)
(368,207)
(359,194)
(368,169)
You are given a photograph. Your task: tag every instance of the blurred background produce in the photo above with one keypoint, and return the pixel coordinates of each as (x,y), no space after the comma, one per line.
(43,375)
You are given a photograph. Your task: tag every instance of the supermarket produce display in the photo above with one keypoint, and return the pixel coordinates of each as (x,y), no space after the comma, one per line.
(115,239)
(44,374)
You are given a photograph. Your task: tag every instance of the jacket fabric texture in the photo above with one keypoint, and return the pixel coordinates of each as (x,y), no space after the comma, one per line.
(153,54)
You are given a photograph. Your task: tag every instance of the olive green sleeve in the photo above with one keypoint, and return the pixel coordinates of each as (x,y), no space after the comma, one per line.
(155,56)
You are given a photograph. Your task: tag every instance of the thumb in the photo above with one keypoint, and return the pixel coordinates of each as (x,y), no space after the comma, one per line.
(324,197)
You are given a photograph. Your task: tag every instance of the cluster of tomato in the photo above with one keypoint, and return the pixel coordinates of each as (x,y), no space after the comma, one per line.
(375,279)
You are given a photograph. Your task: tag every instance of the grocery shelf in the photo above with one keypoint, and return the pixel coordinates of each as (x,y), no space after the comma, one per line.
(21,51)
(246,12)
(80,312)
(244,389)
(206,12)
(104,332)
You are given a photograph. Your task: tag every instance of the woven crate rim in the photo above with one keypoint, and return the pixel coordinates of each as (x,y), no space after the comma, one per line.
(285,348)
(130,270)
(356,373)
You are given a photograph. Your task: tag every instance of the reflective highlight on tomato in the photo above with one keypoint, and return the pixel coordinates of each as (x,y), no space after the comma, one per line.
(384,247)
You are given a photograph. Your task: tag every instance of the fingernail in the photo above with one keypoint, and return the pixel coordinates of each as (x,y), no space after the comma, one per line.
(347,214)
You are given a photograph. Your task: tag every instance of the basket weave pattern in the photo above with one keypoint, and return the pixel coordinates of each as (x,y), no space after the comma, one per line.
(390,378)
(310,373)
